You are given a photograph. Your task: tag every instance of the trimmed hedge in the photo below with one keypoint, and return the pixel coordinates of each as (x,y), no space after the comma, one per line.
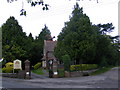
(38,65)
(83,67)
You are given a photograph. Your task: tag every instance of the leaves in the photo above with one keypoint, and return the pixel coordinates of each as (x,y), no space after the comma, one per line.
(33,4)
(105,28)
(12,40)
(84,42)
(23,12)
(17,45)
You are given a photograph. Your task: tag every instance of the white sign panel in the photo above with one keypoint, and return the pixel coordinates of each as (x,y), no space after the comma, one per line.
(27,73)
(44,64)
(17,64)
(55,73)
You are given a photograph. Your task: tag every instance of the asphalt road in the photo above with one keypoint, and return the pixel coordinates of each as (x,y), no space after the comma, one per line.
(106,80)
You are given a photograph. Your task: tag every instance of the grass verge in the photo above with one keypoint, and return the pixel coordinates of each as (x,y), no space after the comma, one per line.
(61,72)
(0,70)
(101,70)
(38,71)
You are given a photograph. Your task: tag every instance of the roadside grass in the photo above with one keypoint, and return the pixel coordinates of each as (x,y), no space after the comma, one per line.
(0,70)
(61,73)
(101,70)
(38,71)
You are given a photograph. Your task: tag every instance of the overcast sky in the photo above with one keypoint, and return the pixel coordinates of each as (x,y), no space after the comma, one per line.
(106,11)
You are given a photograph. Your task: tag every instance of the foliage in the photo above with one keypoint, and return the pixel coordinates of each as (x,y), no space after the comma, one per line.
(45,34)
(106,28)
(13,40)
(9,64)
(38,71)
(36,52)
(66,61)
(8,68)
(38,65)
(33,4)
(61,73)
(86,43)
(83,67)
(77,38)
(17,45)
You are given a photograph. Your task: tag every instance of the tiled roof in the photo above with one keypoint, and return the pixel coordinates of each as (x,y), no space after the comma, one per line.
(49,47)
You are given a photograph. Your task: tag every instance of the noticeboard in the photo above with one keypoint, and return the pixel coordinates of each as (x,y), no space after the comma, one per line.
(17,64)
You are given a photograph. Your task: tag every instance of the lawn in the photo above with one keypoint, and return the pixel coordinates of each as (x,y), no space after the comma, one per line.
(101,70)
(0,70)
(38,71)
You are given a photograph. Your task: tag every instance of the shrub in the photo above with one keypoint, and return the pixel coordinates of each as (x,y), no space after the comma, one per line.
(8,68)
(83,67)
(66,61)
(9,64)
(3,70)
(38,65)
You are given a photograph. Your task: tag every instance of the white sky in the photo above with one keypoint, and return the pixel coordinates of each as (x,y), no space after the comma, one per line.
(106,11)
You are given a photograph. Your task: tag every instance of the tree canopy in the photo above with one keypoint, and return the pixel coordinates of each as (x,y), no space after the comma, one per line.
(84,42)
(17,45)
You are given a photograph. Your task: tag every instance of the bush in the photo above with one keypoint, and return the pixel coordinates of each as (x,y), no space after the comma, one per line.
(83,67)
(38,65)
(66,61)
(8,68)
(3,70)
(9,64)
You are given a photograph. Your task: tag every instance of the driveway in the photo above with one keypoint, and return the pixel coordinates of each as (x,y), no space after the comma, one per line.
(106,80)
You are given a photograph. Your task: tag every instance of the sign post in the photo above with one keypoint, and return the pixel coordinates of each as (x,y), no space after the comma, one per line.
(17,65)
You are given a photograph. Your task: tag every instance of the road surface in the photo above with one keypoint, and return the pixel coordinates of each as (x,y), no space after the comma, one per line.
(106,80)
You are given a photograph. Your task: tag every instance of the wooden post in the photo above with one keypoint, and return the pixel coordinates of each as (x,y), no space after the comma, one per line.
(27,69)
(55,67)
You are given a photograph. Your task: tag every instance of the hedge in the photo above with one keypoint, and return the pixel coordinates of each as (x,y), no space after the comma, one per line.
(83,67)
